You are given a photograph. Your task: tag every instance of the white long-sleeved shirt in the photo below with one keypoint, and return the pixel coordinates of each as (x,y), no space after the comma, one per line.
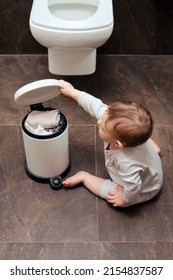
(138,169)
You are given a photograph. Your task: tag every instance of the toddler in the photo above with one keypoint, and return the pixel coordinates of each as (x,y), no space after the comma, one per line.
(131,157)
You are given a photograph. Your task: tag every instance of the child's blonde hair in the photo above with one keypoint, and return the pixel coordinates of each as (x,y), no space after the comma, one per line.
(132,123)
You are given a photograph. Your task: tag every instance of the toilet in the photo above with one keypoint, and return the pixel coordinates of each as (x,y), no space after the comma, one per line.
(72,30)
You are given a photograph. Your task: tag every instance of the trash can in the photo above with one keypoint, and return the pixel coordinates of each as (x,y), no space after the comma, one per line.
(46,148)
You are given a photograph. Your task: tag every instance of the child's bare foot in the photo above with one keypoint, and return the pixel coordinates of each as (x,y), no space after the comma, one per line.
(73,180)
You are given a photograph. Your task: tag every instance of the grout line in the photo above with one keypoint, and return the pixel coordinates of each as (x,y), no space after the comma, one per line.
(12,125)
(88,242)
(96,172)
(99,54)
(89,125)
(95,149)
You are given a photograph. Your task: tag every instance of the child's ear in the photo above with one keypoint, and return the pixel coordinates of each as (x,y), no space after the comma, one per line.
(118,144)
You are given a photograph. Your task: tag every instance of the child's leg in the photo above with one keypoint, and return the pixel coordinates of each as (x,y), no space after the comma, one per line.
(91,182)
(155,146)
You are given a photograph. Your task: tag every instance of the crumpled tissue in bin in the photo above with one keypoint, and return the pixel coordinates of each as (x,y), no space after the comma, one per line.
(42,122)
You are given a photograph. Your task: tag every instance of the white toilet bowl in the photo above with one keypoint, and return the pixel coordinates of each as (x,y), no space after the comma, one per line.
(72,30)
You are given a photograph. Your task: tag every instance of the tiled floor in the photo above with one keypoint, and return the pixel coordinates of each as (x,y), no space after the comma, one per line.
(39,223)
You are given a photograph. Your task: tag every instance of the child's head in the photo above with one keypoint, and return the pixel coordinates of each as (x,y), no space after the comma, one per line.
(129,123)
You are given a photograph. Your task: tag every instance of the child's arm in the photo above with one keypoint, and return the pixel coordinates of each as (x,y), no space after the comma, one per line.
(91,182)
(89,103)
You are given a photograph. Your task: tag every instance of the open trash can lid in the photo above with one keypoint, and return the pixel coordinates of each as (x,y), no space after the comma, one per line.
(37,92)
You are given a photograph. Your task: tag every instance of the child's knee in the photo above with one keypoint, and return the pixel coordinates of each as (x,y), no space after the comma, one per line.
(106,187)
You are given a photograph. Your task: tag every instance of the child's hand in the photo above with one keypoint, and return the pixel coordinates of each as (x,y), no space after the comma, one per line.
(155,146)
(68,90)
(116,197)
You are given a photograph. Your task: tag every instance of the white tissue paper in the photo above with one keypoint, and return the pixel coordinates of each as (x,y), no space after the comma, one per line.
(42,122)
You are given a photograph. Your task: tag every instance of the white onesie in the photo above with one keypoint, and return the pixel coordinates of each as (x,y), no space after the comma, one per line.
(138,169)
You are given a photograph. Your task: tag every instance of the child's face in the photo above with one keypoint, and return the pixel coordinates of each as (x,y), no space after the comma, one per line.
(105,129)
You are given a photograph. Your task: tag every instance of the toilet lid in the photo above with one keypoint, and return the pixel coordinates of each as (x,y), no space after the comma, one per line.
(37,92)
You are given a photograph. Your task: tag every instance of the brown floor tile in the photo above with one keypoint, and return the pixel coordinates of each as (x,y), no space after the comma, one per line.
(39,223)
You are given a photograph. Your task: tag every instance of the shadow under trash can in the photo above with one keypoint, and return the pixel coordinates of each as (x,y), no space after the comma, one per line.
(45,134)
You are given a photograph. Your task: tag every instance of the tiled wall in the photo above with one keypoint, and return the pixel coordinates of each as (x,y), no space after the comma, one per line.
(141,27)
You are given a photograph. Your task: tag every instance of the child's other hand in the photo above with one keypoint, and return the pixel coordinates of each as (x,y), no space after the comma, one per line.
(155,146)
(116,197)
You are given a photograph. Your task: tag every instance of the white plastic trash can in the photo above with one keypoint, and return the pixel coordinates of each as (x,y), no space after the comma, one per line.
(46,150)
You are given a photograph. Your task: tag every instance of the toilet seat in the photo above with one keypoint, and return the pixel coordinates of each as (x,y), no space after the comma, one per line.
(46,19)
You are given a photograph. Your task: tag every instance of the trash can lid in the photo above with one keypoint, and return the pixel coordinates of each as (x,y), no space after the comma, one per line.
(37,92)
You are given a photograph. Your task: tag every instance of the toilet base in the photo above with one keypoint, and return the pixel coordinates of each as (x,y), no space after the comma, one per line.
(72,61)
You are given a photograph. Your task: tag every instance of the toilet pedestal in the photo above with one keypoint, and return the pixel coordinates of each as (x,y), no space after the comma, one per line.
(73,61)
